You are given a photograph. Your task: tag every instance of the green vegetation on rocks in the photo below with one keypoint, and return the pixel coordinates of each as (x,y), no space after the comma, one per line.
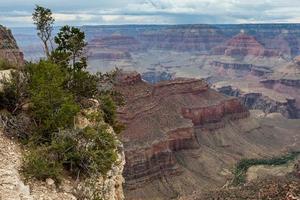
(46,98)
(242,166)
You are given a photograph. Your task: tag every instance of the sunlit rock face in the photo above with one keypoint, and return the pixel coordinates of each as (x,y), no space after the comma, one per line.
(9,49)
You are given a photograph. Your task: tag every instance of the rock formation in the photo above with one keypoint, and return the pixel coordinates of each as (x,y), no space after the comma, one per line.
(183,38)
(256,100)
(9,49)
(181,136)
(249,68)
(113,47)
(119,42)
(160,121)
(157,76)
(288,75)
(243,45)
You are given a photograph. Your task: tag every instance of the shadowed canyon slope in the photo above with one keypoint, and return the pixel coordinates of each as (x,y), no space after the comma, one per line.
(183,137)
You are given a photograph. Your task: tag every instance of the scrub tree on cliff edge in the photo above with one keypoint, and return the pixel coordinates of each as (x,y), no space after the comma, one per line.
(42,18)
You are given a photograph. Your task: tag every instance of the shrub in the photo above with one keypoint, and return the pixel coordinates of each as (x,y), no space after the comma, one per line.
(85,152)
(108,107)
(82,84)
(38,164)
(53,107)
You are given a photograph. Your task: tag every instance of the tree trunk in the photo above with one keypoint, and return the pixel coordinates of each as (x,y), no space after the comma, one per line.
(46,49)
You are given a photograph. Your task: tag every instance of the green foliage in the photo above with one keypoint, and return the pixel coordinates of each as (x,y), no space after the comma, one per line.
(69,54)
(109,108)
(54,89)
(245,164)
(53,107)
(39,164)
(83,84)
(85,152)
(43,20)
(70,42)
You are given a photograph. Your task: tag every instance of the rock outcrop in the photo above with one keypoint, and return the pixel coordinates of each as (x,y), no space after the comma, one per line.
(160,120)
(243,45)
(288,75)
(9,49)
(258,101)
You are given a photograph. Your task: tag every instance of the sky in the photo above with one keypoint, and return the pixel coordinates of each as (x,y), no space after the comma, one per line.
(17,13)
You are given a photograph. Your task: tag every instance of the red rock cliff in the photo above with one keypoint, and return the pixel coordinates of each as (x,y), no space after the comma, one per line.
(160,120)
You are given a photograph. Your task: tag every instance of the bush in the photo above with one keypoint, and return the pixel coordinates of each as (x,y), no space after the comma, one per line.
(82,84)
(87,151)
(108,107)
(38,164)
(53,107)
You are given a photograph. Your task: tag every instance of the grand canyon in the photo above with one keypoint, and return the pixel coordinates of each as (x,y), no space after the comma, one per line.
(198,99)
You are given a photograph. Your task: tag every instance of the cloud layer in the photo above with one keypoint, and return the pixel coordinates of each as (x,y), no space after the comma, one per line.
(83,12)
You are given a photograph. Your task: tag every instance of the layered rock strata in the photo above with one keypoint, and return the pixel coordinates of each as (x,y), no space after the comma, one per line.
(259,101)
(288,75)
(243,45)
(160,120)
(9,49)
(250,68)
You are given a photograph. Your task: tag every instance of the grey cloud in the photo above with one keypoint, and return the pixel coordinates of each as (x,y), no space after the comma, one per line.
(154,11)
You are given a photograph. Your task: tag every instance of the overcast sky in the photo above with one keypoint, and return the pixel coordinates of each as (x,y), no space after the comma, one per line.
(90,12)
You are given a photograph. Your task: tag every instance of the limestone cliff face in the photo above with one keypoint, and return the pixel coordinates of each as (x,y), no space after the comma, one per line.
(9,49)
(160,120)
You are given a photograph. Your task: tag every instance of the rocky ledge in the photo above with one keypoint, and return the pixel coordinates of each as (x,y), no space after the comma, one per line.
(248,68)
(160,120)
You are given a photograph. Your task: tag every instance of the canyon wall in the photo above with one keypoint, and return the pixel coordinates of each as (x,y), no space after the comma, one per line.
(256,100)
(9,49)
(160,120)
(246,67)
(243,45)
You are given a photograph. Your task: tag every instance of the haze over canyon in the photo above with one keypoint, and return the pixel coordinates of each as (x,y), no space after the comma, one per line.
(210,111)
